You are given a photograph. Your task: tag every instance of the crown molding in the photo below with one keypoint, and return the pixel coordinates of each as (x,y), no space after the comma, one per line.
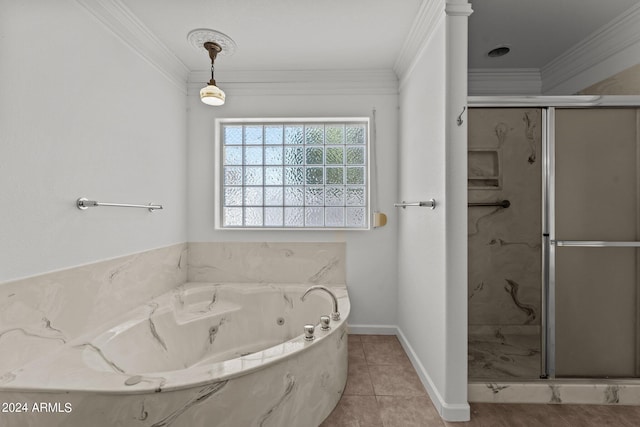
(116,17)
(298,82)
(458,8)
(424,24)
(609,50)
(507,81)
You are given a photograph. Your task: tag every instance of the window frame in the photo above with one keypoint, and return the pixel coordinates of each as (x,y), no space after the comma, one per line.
(219,169)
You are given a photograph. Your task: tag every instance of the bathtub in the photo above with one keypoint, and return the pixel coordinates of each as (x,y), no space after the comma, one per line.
(203,354)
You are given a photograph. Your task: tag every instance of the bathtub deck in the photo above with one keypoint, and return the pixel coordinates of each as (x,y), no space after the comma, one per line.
(383,390)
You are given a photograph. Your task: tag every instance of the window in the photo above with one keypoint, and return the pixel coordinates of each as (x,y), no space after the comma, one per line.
(292,173)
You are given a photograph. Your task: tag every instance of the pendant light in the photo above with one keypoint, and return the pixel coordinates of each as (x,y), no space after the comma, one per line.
(217,44)
(212,94)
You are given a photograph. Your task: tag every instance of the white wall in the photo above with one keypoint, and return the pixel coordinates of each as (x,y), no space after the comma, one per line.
(432,283)
(81,114)
(371,255)
(421,242)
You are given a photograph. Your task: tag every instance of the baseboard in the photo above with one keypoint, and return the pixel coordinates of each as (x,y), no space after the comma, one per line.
(448,412)
(373,329)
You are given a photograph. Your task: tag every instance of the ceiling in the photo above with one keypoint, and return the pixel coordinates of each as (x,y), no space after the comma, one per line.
(537,31)
(285,34)
(367,34)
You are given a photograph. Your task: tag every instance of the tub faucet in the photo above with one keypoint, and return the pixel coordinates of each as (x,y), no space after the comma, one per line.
(335,315)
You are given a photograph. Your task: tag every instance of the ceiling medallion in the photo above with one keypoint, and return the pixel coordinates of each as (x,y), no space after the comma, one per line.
(198,37)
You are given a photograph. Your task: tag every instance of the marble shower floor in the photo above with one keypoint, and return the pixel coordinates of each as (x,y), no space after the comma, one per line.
(383,390)
(504,356)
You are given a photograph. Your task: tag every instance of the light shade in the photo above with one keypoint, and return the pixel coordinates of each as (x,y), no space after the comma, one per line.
(212,95)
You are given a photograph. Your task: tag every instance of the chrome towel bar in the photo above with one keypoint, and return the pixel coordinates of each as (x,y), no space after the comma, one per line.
(502,204)
(425,204)
(83,203)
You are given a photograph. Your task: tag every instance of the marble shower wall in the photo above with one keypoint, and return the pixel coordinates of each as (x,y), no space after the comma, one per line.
(626,82)
(41,313)
(505,244)
(248,262)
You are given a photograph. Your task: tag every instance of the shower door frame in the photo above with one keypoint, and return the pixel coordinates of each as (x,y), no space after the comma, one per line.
(548,105)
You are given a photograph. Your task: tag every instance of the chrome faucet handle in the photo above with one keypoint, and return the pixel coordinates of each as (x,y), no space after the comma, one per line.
(308,332)
(324,323)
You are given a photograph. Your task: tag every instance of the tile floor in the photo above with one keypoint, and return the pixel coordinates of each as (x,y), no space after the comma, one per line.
(383,390)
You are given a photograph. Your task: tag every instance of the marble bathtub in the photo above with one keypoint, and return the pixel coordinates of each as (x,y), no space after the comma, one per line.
(203,354)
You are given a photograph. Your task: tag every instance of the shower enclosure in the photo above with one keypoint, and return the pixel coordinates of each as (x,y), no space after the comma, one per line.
(554,239)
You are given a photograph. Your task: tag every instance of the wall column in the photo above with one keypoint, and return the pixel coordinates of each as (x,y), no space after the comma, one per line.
(458,12)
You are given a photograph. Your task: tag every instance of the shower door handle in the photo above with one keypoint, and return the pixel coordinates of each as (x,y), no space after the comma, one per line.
(595,244)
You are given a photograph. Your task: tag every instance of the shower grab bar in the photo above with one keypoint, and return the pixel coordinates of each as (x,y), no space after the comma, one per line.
(83,203)
(595,244)
(503,204)
(424,204)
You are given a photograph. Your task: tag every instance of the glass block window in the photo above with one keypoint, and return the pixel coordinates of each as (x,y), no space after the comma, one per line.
(293,174)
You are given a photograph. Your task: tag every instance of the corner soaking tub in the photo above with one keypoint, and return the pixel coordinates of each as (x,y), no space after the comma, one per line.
(202,355)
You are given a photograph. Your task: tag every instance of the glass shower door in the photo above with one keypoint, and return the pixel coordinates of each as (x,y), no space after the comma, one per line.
(594,236)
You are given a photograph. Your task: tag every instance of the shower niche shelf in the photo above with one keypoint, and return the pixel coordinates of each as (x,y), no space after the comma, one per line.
(484,169)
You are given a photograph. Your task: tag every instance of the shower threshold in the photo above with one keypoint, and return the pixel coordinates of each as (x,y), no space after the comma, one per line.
(568,391)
